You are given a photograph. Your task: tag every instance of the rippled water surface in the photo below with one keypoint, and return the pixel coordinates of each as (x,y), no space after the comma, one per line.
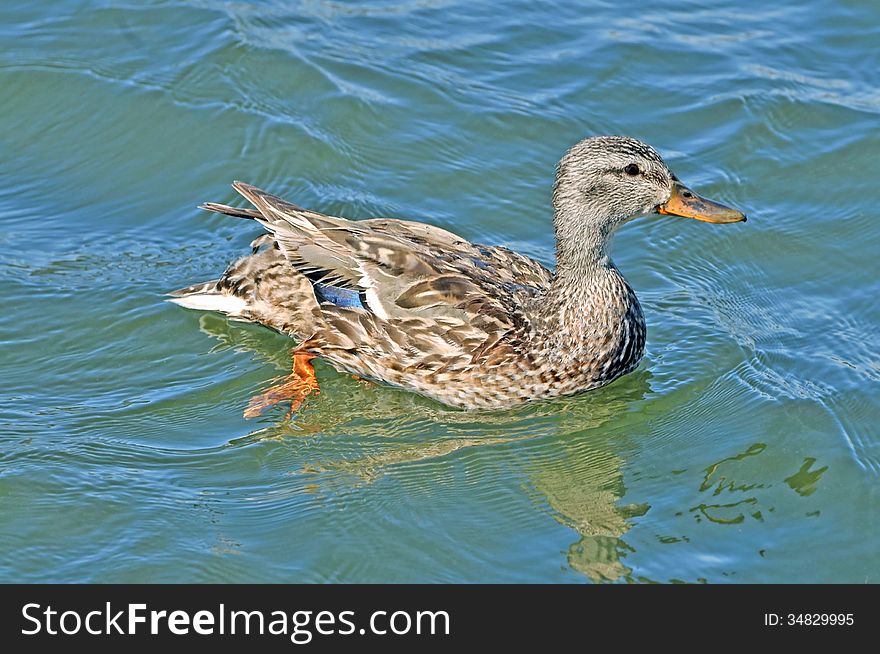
(744,448)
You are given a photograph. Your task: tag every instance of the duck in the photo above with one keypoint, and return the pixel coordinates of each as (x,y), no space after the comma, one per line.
(476,327)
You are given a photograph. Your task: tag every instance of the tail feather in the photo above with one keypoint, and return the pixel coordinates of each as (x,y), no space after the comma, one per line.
(237,212)
(220,294)
(201,288)
(258,197)
(207,297)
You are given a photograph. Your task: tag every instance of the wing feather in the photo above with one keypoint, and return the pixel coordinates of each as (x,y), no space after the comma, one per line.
(431,294)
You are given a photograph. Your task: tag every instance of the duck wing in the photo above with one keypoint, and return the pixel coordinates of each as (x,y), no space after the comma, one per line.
(401,269)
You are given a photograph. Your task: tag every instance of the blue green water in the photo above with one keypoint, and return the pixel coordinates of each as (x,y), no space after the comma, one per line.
(745,448)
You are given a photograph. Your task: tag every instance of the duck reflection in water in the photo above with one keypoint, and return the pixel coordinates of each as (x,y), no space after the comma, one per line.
(577,476)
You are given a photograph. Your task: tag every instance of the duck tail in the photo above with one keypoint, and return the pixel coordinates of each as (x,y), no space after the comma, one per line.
(237,212)
(208,297)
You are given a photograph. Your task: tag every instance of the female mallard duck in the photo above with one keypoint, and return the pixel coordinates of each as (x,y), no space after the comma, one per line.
(473,326)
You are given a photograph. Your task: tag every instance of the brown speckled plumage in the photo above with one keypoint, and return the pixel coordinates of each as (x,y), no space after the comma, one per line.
(473,326)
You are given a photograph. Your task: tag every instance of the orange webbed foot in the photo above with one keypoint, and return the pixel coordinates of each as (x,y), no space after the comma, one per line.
(296,387)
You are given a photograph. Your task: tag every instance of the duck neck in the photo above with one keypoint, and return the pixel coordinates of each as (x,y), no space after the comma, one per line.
(588,298)
(582,247)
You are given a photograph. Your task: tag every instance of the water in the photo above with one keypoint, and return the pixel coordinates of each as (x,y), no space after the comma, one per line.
(744,448)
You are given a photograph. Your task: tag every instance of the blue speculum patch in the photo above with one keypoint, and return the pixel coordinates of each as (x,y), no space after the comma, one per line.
(341,297)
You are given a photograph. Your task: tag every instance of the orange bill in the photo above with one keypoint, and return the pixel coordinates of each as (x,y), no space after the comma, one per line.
(684,202)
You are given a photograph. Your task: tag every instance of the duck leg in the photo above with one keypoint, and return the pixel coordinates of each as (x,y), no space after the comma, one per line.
(301,383)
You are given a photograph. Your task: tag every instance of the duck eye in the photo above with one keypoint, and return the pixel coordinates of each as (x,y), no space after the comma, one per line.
(631,169)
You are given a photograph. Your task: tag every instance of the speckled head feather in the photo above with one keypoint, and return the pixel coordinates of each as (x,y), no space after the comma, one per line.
(601,183)
(472,326)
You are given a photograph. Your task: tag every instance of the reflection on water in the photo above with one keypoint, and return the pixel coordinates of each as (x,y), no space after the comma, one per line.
(573,466)
(805,480)
(586,499)
(720,480)
(578,474)
(731,480)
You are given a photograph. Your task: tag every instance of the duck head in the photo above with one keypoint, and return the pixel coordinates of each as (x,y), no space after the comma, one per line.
(605,181)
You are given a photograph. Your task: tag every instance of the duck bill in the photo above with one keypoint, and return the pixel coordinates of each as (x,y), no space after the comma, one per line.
(686,203)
